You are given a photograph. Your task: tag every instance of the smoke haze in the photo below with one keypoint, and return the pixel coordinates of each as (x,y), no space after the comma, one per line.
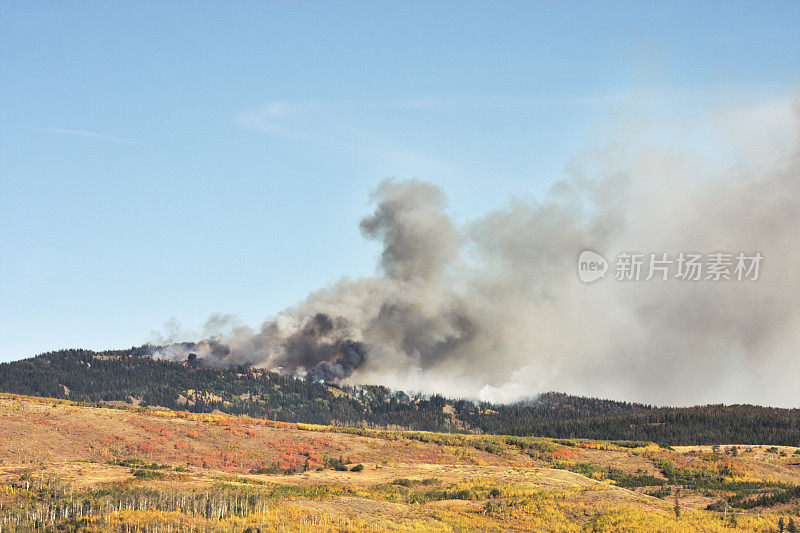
(493,308)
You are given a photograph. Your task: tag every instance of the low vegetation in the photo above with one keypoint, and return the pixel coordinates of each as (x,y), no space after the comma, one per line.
(65,465)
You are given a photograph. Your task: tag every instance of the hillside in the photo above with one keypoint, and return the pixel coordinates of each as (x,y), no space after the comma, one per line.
(71,466)
(129,376)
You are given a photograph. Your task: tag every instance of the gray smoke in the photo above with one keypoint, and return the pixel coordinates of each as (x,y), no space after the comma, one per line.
(493,309)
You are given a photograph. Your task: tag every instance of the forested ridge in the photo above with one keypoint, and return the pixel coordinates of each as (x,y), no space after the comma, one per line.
(133,377)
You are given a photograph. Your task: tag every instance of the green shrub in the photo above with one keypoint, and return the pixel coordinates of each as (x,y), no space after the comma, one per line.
(148,474)
(271,469)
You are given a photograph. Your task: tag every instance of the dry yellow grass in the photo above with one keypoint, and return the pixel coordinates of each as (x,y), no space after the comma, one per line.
(448,487)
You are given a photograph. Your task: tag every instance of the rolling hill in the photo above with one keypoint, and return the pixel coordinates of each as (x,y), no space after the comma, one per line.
(66,465)
(132,377)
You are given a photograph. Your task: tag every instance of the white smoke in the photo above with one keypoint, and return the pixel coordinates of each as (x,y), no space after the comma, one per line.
(493,309)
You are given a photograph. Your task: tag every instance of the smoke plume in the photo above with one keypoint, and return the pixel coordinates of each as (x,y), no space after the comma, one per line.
(493,308)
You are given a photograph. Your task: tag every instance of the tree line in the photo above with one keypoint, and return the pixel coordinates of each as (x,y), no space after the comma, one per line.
(132,376)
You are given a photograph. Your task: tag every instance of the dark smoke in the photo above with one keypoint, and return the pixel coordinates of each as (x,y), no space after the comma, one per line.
(352,355)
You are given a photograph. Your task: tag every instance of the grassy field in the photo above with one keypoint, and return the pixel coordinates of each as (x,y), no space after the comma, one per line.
(70,466)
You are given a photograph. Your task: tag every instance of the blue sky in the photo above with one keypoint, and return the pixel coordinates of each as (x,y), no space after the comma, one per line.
(174,159)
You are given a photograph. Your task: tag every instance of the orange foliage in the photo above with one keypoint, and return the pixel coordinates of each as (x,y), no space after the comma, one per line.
(563,453)
(247,433)
(141,447)
(297,456)
(328,442)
